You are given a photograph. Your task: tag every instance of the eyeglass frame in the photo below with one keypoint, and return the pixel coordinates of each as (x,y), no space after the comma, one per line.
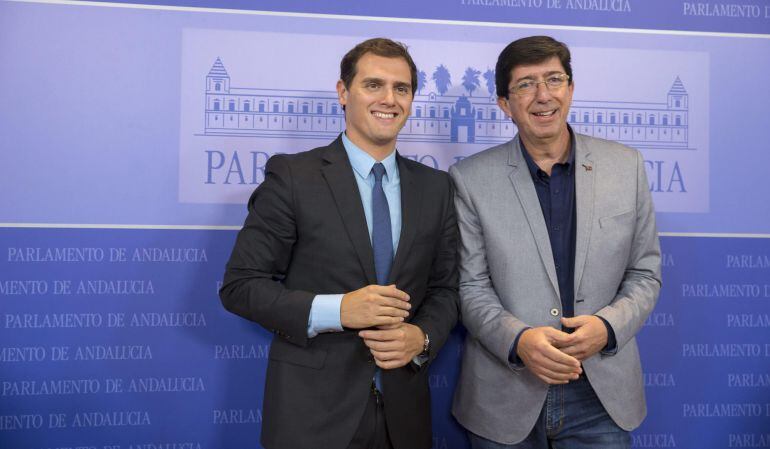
(563,77)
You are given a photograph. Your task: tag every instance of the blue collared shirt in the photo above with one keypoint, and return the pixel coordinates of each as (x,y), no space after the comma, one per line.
(556,193)
(325,310)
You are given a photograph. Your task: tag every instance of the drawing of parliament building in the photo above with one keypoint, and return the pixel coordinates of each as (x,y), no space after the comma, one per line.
(257,112)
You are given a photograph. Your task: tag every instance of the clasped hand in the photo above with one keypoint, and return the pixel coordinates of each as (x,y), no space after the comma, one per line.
(555,356)
(393,343)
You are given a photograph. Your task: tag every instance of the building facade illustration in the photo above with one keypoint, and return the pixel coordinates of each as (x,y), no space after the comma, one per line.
(258,112)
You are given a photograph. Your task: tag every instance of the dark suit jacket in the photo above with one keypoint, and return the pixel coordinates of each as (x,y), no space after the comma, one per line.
(305,235)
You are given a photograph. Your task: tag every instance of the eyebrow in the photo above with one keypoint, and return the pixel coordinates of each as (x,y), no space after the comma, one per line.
(372,80)
(530,77)
(382,81)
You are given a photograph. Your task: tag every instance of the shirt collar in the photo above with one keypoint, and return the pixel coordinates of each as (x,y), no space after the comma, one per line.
(534,169)
(362,162)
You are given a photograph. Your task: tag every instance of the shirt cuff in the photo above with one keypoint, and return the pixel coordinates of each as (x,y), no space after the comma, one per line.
(420,359)
(324,315)
(513,356)
(612,347)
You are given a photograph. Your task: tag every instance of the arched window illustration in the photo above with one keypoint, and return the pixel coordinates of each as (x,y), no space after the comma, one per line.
(217,106)
(247,106)
(231,105)
(572,117)
(638,119)
(625,119)
(599,118)
(217,86)
(276,106)
(445,112)
(418,112)
(652,120)
(665,120)
(290,107)
(479,114)
(319,109)
(678,120)
(305,108)
(678,103)
(612,119)
(334,108)
(493,115)
(586,117)
(432,112)
(262,106)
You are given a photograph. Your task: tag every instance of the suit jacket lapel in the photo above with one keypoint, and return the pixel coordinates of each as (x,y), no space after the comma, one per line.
(525,191)
(585,168)
(411,199)
(340,178)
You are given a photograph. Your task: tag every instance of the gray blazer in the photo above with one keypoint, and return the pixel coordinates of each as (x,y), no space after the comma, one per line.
(508,280)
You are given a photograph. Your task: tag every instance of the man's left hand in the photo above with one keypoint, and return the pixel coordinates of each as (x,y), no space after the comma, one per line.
(394,346)
(589,337)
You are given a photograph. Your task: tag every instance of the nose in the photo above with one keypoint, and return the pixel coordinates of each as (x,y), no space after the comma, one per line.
(542,93)
(389,97)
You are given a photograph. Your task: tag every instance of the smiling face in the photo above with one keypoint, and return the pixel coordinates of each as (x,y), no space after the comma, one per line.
(377,103)
(541,117)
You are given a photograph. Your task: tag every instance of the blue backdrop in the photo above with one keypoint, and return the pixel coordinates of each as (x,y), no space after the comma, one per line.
(132,134)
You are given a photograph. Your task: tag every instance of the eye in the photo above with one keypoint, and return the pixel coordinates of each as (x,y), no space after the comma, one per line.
(372,86)
(525,86)
(555,80)
(402,90)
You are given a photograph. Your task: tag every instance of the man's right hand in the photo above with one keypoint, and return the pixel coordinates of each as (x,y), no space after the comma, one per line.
(374,305)
(537,349)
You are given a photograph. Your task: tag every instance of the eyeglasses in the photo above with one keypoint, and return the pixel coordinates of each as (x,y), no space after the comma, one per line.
(528,88)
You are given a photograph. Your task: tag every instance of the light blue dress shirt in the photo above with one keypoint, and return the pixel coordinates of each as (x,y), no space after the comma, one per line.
(325,310)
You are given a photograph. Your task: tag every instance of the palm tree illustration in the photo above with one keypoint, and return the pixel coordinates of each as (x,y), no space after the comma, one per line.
(471,80)
(442,78)
(422,78)
(489,78)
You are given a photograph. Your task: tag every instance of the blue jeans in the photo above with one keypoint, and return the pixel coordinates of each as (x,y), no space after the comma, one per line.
(572,418)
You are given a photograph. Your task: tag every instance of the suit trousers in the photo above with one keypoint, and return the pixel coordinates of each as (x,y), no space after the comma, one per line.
(372,432)
(572,418)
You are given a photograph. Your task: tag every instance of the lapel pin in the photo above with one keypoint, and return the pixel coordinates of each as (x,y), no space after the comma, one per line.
(587,167)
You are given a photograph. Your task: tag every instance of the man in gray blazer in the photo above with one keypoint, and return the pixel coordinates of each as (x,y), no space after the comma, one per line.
(560,267)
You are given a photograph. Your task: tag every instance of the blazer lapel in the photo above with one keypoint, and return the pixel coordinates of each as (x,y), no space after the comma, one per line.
(585,168)
(525,191)
(411,200)
(338,174)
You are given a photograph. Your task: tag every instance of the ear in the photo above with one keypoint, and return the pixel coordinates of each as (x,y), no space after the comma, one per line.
(503,103)
(342,93)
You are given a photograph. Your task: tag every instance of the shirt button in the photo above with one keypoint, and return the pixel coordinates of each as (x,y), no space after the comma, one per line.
(554,312)
(557,228)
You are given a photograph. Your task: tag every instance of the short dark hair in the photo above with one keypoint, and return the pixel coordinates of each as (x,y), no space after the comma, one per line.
(526,51)
(379,46)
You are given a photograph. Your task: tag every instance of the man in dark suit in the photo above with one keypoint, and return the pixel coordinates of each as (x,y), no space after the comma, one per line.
(348,256)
